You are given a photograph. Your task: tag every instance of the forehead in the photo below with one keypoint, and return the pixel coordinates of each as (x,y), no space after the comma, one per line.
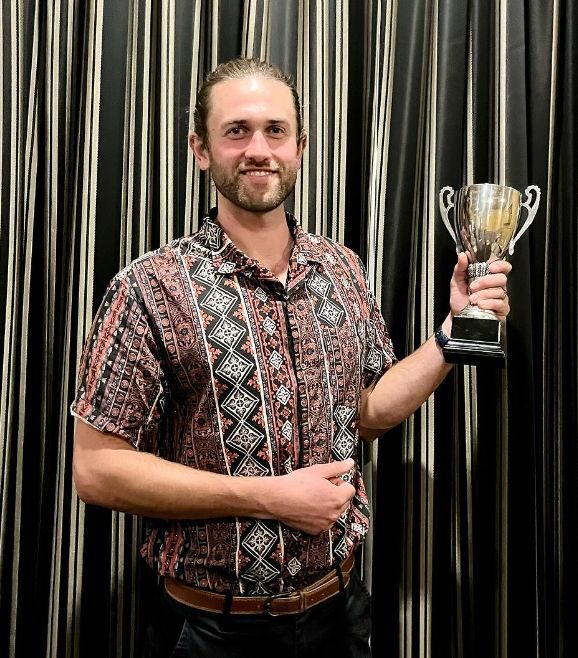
(252,98)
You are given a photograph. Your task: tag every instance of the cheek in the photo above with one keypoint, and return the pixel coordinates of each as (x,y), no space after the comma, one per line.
(226,155)
(288,155)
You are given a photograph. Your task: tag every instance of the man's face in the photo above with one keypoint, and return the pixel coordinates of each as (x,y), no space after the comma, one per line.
(252,152)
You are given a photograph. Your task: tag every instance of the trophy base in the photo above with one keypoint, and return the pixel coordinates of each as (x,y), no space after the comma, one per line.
(475,341)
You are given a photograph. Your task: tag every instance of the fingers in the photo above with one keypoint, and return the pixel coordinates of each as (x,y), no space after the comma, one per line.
(488,293)
(500,307)
(498,280)
(345,508)
(460,275)
(347,492)
(462,264)
(499,265)
(334,469)
(492,299)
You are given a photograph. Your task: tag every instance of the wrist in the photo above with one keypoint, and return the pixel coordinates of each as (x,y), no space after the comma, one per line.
(442,333)
(441,338)
(259,494)
(446,325)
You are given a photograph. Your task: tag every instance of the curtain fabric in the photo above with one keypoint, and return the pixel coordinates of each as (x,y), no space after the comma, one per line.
(474,497)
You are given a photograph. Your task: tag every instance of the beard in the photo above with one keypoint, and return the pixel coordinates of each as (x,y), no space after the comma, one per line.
(236,189)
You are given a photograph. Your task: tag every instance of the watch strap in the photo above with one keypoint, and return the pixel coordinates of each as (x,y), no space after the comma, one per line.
(441,338)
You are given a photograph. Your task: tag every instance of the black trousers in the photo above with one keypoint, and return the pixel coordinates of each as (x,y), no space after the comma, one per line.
(339,627)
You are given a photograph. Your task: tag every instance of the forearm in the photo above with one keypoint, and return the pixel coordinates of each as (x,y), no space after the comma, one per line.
(404,388)
(110,473)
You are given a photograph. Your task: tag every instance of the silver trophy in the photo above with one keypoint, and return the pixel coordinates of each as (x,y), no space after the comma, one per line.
(485,220)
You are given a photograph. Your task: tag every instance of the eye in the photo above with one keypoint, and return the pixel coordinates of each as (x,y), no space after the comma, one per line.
(276,130)
(235,131)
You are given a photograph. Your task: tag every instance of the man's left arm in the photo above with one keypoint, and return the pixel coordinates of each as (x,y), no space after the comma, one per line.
(408,384)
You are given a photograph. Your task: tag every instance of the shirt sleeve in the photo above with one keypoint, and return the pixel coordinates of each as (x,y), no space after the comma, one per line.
(378,353)
(121,385)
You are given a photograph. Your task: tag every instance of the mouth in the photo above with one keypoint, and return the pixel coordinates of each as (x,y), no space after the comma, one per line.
(258,173)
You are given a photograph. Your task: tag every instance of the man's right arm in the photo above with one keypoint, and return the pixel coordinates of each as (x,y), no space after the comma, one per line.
(109,472)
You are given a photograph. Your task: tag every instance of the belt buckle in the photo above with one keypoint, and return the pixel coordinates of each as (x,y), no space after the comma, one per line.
(273,597)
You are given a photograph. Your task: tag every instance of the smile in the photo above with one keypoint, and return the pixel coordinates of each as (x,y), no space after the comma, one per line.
(258,172)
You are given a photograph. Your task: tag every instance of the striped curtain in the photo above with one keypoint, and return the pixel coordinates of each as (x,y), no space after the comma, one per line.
(475,498)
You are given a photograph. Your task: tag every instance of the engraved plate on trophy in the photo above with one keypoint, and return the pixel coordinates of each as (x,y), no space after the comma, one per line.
(485,220)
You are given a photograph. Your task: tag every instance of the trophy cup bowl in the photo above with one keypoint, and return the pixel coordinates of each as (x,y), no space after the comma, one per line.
(486,217)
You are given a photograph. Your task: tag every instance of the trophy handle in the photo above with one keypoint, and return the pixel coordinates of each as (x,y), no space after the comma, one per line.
(445,211)
(532,210)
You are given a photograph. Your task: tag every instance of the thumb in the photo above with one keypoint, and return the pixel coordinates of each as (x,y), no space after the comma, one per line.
(334,469)
(462,264)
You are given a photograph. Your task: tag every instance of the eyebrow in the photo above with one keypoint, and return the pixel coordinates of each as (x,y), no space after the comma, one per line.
(244,122)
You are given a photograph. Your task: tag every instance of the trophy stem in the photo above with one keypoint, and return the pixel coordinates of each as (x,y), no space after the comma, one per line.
(477,270)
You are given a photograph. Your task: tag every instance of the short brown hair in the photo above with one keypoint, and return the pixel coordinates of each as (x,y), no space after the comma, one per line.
(236,69)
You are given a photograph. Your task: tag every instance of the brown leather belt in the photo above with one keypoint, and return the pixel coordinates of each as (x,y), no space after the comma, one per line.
(289,603)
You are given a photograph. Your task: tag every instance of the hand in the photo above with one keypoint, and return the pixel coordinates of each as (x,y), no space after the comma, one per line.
(311,499)
(487,292)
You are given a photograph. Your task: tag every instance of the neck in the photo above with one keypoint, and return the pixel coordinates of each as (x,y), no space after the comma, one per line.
(264,237)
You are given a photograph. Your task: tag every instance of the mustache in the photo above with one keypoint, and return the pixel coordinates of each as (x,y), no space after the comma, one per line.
(260,165)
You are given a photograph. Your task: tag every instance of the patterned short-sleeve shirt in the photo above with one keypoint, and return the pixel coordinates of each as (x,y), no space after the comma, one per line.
(200,355)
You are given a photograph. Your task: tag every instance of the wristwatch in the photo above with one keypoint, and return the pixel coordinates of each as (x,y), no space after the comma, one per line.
(441,338)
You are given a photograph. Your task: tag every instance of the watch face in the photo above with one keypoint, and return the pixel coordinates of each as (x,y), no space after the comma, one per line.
(441,338)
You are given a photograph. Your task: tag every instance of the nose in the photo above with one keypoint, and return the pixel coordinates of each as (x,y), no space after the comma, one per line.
(257,148)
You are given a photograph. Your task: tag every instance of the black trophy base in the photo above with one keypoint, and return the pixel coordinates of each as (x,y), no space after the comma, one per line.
(475,342)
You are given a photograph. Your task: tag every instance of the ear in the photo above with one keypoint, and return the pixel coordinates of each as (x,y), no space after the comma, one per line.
(200,152)
(301,147)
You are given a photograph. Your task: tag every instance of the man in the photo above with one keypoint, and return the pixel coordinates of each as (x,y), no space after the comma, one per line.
(223,388)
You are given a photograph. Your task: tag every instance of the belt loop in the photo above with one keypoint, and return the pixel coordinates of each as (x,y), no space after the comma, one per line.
(340,578)
(302,605)
(228,603)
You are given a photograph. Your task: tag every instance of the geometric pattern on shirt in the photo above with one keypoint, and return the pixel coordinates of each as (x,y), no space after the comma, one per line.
(245,440)
(328,309)
(343,447)
(234,368)
(260,294)
(227,333)
(343,547)
(343,441)
(294,566)
(331,313)
(259,542)
(373,360)
(373,356)
(269,325)
(276,360)
(287,430)
(205,271)
(283,394)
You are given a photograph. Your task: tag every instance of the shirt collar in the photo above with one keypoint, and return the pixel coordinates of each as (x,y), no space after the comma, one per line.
(228,259)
